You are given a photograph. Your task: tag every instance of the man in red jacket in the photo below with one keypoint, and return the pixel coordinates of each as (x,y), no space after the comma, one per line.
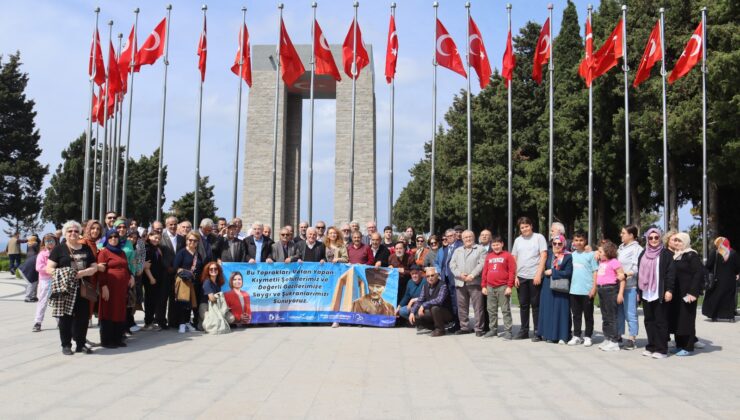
(497,279)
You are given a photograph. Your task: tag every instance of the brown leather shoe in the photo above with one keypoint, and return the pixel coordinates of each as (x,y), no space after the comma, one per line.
(437,333)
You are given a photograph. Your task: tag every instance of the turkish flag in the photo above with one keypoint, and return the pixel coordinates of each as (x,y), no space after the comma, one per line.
(507,68)
(542,52)
(478,55)
(245,55)
(96,54)
(691,54)
(153,47)
(446,51)
(324,59)
(361,57)
(606,57)
(202,51)
(585,69)
(291,66)
(652,54)
(391,51)
(114,77)
(124,60)
(94,112)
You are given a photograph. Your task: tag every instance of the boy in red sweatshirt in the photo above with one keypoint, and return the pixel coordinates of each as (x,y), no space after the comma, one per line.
(497,279)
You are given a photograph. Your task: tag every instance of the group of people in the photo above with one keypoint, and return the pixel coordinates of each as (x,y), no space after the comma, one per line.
(172,272)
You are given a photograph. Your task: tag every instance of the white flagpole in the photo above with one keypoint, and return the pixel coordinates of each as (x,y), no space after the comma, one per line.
(392,134)
(103,177)
(434,121)
(590,142)
(277,103)
(196,220)
(310,128)
(111,152)
(160,171)
(551,67)
(510,173)
(88,139)
(470,137)
(130,111)
(704,196)
(356,4)
(95,170)
(119,106)
(665,123)
(238,115)
(626,69)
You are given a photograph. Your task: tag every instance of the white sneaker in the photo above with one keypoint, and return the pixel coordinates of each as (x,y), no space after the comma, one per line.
(182,329)
(135,328)
(587,342)
(604,344)
(561,342)
(575,341)
(335,325)
(699,345)
(647,353)
(657,355)
(190,327)
(611,346)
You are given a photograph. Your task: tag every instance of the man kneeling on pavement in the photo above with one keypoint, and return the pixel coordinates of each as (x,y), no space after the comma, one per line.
(433,309)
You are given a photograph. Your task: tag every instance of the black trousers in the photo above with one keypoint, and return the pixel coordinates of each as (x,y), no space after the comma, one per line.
(198,295)
(151,300)
(581,306)
(164,290)
(608,302)
(656,326)
(111,333)
(75,325)
(437,317)
(529,296)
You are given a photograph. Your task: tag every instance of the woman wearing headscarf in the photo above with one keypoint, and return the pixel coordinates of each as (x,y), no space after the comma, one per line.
(688,287)
(656,277)
(114,280)
(724,263)
(554,317)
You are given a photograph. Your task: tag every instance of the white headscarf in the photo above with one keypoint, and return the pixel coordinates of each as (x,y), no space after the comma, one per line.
(686,241)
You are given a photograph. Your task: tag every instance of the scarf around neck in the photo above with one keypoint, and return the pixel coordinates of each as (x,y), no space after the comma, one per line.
(647,277)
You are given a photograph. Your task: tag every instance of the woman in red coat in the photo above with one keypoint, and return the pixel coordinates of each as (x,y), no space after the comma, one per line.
(238,300)
(114,282)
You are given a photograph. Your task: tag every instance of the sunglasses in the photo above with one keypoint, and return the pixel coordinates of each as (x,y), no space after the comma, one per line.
(320,227)
(213,269)
(121,227)
(419,240)
(433,243)
(557,244)
(192,240)
(284,234)
(345,230)
(73,231)
(653,238)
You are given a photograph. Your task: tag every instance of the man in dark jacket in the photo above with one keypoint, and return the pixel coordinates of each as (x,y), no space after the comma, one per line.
(230,248)
(433,309)
(285,250)
(259,248)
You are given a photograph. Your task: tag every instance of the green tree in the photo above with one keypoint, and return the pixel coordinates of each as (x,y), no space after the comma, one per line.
(141,194)
(21,174)
(183,207)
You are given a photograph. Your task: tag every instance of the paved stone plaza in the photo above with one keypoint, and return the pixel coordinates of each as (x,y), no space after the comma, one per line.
(351,372)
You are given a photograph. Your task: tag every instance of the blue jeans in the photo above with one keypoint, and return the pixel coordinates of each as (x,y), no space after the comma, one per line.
(404,312)
(629,307)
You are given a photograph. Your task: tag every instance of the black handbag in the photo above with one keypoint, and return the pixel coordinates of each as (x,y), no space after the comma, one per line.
(710,277)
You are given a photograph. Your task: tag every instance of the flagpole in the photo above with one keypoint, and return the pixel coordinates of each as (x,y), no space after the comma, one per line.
(196,220)
(310,129)
(86,180)
(590,141)
(551,67)
(704,236)
(510,173)
(132,48)
(392,133)
(111,151)
(277,103)
(119,106)
(625,67)
(434,122)
(468,122)
(160,171)
(356,4)
(238,115)
(95,170)
(665,123)
(103,180)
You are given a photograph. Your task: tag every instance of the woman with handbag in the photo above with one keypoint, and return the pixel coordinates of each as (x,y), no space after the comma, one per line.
(211,280)
(554,317)
(188,267)
(72,309)
(724,267)
(114,280)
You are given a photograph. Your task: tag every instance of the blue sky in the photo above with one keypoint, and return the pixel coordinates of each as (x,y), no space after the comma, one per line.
(54,40)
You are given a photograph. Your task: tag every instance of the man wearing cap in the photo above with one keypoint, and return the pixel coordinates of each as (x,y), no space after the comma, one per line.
(231,249)
(413,291)
(467,265)
(433,309)
(372,303)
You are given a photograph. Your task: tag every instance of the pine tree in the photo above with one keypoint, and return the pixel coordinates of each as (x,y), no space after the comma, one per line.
(21,174)
(141,194)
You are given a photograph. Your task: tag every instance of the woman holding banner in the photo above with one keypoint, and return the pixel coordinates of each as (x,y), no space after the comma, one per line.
(187,287)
